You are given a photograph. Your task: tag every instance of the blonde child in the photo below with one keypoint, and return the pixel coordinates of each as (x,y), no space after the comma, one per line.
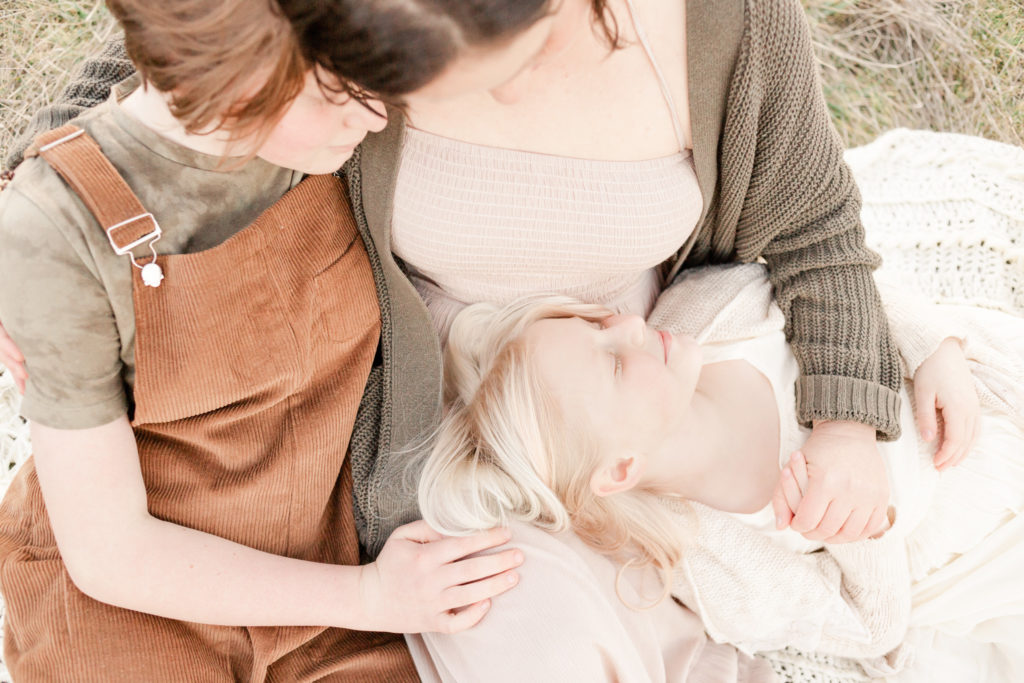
(660,451)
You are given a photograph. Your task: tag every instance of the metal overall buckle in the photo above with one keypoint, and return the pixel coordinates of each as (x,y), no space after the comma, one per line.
(152,274)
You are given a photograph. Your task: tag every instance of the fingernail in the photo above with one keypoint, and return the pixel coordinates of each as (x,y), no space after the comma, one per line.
(517,557)
(927,435)
(513,577)
(485,605)
(778,522)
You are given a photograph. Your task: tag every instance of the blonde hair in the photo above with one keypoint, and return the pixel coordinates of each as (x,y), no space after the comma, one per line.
(505,451)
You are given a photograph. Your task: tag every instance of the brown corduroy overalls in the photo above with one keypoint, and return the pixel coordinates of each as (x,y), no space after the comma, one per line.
(251,358)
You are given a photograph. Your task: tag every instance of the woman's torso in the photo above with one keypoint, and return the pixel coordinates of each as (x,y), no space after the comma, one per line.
(482,214)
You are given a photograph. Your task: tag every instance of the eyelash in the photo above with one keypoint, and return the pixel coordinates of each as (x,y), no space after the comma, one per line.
(618,365)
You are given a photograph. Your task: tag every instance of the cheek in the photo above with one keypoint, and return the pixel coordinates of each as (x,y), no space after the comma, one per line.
(295,132)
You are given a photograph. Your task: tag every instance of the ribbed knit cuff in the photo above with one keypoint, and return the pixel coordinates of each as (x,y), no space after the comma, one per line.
(827,397)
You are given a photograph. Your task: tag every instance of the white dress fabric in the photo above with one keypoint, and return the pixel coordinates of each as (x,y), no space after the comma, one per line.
(962,530)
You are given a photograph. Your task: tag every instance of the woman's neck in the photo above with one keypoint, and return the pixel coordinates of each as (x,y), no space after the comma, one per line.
(151,108)
(726,453)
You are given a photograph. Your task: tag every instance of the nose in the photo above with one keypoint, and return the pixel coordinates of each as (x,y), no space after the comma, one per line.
(370,116)
(631,328)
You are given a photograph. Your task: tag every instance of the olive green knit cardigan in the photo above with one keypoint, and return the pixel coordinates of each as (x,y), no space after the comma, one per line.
(775,187)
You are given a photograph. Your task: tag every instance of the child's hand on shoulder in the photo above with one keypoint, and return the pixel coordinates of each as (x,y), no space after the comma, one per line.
(846,496)
(946,403)
(423,581)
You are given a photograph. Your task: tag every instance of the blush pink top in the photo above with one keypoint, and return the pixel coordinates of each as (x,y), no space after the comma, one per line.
(479,223)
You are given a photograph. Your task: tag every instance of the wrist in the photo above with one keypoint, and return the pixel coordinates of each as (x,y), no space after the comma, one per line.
(363,607)
(845,428)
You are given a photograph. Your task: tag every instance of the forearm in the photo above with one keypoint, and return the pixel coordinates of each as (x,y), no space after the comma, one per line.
(876,586)
(837,329)
(116,552)
(172,571)
(761,596)
(801,213)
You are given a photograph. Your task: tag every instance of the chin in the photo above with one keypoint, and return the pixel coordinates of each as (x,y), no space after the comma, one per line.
(321,167)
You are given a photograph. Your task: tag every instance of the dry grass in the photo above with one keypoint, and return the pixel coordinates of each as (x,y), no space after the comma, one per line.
(951,66)
(43,40)
(948,66)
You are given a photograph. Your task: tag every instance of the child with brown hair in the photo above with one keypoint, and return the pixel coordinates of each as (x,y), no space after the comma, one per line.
(199,319)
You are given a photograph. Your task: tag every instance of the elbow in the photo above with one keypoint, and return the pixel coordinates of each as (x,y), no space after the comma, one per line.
(90,572)
(103,568)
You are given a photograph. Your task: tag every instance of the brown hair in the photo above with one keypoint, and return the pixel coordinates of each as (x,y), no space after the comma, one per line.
(393,47)
(210,55)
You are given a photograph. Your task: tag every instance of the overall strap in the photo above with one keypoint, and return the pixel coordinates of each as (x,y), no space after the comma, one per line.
(80,162)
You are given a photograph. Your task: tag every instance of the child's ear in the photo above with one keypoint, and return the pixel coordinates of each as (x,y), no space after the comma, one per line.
(616,475)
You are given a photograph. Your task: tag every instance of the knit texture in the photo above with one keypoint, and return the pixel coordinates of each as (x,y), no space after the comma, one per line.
(774,598)
(786,196)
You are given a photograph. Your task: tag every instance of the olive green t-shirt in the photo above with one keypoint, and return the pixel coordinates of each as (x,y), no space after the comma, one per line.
(66,297)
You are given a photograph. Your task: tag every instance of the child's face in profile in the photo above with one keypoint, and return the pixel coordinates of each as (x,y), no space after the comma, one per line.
(626,382)
(317,135)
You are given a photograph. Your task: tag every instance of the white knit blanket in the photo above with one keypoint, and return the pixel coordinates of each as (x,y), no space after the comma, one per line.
(945,211)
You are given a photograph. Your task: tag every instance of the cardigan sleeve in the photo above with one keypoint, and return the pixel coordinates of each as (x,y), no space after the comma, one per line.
(796,206)
(89,87)
(848,600)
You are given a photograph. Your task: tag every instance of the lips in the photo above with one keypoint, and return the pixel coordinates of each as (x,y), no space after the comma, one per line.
(666,342)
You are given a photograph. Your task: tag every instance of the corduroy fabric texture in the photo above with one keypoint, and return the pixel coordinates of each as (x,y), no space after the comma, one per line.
(242,432)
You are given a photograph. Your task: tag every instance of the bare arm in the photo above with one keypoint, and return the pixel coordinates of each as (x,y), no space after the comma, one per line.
(117,553)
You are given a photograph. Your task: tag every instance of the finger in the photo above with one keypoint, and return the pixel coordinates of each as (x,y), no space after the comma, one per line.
(878,523)
(418,531)
(20,377)
(832,521)
(10,354)
(783,513)
(460,596)
(975,432)
(855,528)
(798,463)
(925,414)
(456,547)
(476,568)
(791,490)
(973,427)
(954,433)
(961,454)
(453,622)
(812,509)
